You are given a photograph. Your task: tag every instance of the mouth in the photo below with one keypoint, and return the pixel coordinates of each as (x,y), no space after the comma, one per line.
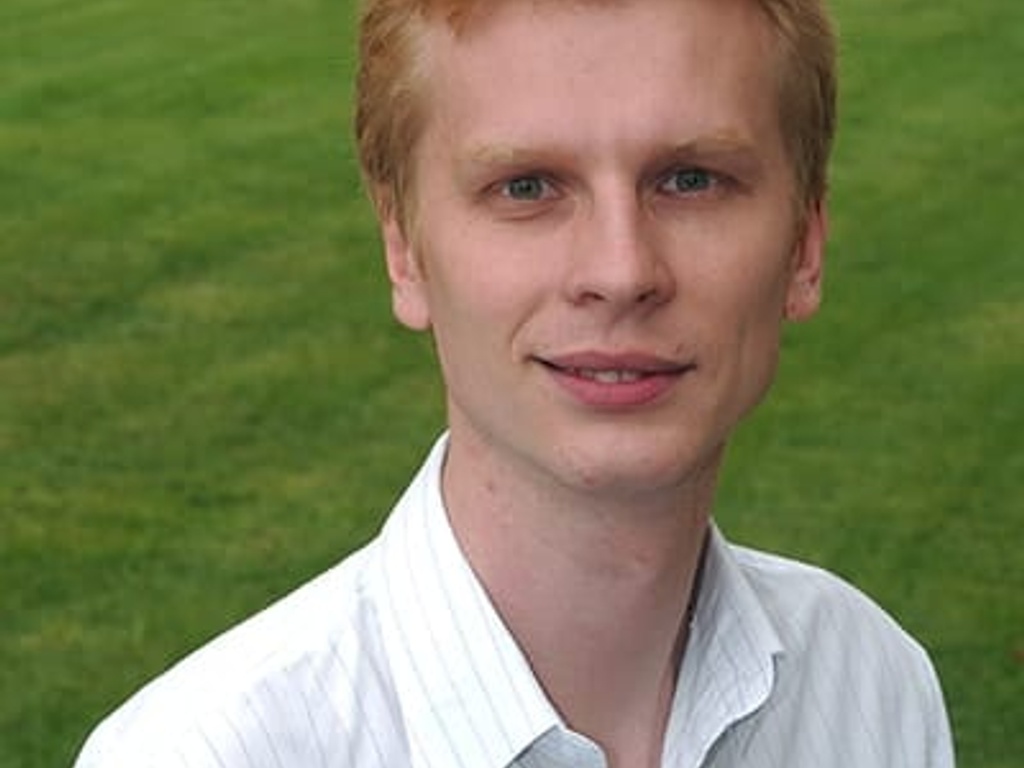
(603,375)
(615,380)
(614,368)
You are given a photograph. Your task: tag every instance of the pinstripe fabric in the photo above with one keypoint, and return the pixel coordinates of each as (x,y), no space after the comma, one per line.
(396,659)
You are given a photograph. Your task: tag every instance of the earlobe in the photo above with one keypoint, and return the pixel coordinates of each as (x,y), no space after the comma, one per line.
(408,289)
(805,284)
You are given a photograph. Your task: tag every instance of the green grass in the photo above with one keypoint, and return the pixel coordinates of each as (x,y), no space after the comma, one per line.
(203,400)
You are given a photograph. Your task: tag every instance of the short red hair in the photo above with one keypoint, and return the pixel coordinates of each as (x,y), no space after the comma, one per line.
(391,113)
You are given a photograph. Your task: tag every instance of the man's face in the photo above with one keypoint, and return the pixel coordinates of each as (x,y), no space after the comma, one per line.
(605,237)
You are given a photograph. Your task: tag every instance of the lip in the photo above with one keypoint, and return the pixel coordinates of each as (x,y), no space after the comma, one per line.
(612,381)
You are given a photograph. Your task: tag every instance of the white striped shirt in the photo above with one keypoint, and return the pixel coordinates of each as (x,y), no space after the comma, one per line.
(396,659)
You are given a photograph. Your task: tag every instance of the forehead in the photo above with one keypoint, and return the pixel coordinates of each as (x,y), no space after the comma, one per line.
(601,66)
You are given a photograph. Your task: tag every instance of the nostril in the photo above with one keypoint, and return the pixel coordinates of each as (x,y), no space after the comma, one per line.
(650,296)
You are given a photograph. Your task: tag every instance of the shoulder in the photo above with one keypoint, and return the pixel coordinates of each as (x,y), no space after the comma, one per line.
(847,665)
(285,679)
(809,606)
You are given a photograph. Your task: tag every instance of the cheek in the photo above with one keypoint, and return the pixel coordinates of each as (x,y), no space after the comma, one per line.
(468,315)
(484,282)
(759,308)
(745,304)
(747,294)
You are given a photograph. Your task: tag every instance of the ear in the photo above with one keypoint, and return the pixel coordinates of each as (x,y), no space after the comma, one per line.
(803,296)
(409,301)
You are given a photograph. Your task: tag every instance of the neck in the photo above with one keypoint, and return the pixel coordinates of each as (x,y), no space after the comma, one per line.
(595,590)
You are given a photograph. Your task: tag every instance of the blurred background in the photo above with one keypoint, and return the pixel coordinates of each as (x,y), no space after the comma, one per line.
(204,400)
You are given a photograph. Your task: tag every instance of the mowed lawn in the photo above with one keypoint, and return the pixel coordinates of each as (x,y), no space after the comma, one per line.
(204,401)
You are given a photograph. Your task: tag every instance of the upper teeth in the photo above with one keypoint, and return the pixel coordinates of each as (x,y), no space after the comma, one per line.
(608,377)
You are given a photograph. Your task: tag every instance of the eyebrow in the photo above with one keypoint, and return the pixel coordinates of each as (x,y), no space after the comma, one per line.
(724,146)
(504,154)
(723,143)
(479,161)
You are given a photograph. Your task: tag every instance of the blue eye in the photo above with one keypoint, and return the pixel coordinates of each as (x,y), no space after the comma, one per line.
(688,181)
(525,188)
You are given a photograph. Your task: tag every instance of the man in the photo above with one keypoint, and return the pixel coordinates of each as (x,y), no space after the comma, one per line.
(603,212)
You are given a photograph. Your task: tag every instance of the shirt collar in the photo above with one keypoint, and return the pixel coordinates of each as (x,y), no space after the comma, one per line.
(467,693)
(728,671)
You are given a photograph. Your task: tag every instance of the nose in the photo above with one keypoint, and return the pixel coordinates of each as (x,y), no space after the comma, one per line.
(616,262)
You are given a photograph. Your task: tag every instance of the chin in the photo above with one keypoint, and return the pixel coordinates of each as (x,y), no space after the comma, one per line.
(621,472)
